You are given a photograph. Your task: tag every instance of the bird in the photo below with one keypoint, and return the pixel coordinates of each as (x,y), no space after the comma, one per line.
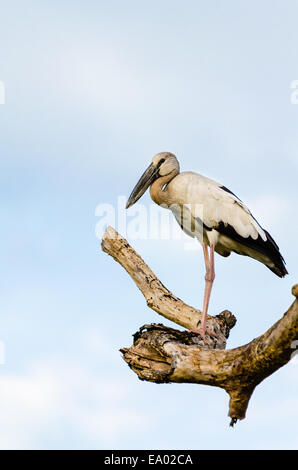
(210,212)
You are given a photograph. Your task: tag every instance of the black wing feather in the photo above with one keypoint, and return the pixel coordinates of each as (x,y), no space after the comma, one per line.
(268,248)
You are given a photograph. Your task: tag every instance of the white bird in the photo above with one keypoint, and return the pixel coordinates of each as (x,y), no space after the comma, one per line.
(211,213)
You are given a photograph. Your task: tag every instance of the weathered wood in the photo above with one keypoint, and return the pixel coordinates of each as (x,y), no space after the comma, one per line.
(161,354)
(159,298)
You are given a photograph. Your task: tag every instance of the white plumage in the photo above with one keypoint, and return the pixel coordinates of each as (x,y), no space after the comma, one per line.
(198,193)
(210,212)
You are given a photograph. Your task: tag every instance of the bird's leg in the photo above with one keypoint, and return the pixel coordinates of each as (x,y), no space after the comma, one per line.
(209,278)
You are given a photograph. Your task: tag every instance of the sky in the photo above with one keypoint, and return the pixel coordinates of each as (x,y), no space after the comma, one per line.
(93,90)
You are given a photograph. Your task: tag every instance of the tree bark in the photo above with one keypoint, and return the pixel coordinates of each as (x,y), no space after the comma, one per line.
(161,354)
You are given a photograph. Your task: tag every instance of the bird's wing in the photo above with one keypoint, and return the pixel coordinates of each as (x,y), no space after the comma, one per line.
(223,211)
(215,204)
(223,208)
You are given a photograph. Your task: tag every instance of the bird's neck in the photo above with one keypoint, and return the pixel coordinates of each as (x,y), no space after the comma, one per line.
(157,193)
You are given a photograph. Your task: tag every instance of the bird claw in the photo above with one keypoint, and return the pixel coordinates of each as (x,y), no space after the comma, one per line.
(201,332)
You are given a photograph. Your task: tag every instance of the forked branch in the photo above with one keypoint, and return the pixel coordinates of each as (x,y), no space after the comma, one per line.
(161,354)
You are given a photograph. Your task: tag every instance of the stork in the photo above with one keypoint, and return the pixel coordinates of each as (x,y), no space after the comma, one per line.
(227,224)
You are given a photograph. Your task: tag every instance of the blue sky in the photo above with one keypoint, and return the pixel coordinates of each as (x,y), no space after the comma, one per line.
(93,90)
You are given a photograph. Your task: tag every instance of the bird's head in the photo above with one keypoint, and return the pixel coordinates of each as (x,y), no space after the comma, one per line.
(163,164)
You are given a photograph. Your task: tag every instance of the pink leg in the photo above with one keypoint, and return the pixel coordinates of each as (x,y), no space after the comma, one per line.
(209,278)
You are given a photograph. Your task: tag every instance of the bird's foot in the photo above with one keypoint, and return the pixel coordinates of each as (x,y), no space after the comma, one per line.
(201,332)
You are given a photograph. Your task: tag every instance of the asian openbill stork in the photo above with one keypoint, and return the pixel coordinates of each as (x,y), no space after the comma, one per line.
(227,225)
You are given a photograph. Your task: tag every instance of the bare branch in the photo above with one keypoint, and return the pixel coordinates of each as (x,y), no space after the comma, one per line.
(162,354)
(158,297)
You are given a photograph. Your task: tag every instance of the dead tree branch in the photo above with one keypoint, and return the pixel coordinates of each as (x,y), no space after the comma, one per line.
(160,354)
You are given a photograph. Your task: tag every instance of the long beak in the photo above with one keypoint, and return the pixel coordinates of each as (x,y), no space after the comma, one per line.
(147,178)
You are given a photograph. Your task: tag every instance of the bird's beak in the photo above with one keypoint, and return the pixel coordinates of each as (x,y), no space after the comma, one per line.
(147,178)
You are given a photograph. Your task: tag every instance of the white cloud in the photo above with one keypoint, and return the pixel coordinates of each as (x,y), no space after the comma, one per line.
(66,394)
(27,404)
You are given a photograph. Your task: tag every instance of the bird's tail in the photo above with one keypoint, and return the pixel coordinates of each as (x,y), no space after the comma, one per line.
(277,265)
(280,271)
